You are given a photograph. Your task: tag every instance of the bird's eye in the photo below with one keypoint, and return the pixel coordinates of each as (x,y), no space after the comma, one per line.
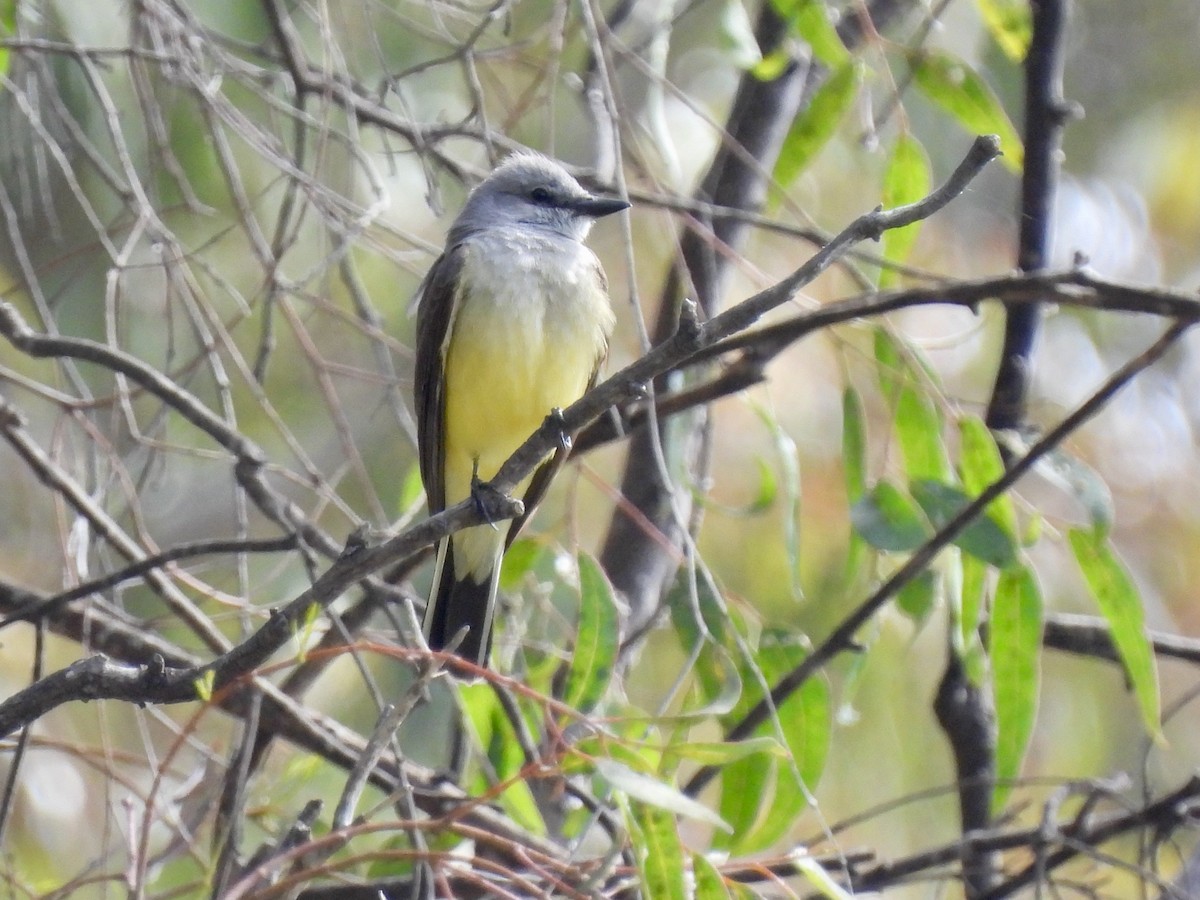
(541,196)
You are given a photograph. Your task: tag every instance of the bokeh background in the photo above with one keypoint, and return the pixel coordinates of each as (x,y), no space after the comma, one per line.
(162,193)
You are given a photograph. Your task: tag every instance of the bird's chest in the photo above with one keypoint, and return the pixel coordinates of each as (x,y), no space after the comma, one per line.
(520,293)
(531,324)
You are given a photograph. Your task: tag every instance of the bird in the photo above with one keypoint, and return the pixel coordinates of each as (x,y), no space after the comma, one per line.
(513,324)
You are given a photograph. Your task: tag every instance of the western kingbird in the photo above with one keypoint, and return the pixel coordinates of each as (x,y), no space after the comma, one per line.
(513,322)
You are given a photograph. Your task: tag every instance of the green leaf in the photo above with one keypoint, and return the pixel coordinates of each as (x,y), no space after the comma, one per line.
(718,681)
(917,420)
(304,635)
(1121,605)
(919,429)
(519,560)
(906,180)
(974,583)
(918,598)
(411,489)
(980,466)
(789,466)
(721,753)
(772,65)
(204,685)
(982,538)
(8,29)
(709,883)
(1015,639)
(758,818)
(768,488)
(810,20)
(744,787)
(650,790)
(960,91)
(888,520)
(659,853)
(591,664)
(495,735)
(892,369)
(813,128)
(854,445)
(1010,23)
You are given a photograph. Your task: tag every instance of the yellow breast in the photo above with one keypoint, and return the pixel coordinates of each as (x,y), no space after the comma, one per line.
(532,324)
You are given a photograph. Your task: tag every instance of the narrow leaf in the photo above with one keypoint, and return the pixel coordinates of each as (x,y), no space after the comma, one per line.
(810,20)
(704,619)
(8,28)
(763,814)
(744,795)
(647,789)
(916,418)
(1121,605)
(519,560)
(891,370)
(919,429)
(591,665)
(982,538)
(659,853)
(813,128)
(981,466)
(789,467)
(960,91)
(854,445)
(709,883)
(918,598)
(1010,23)
(888,520)
(906,180)
(720,753)
(1015,644)
(494,733)
(974,583)
(411,489)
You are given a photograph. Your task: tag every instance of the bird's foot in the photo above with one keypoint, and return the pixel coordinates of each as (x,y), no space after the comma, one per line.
(562,436)
(493,505)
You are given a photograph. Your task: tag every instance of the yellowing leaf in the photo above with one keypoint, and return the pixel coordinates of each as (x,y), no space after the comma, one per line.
(1121,605)
(959,90)
(1010,23)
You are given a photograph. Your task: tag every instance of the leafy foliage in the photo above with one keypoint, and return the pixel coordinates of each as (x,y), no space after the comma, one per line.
(215,216)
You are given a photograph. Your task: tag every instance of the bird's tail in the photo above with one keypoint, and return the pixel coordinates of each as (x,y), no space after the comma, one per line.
(458,602)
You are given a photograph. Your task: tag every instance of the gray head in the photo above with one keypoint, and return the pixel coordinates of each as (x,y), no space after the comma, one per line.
(529,189)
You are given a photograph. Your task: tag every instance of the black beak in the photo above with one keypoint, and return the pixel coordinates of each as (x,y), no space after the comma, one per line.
(597,207)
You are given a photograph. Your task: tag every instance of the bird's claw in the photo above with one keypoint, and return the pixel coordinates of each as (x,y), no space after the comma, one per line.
(562,436)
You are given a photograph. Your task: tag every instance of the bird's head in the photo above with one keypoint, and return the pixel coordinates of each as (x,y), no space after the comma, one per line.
(531,189)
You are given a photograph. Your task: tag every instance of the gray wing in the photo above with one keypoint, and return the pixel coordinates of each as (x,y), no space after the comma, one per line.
(435,306)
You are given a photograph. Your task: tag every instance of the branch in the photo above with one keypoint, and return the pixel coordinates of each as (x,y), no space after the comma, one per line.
(694,337)
(842,637)
(249,459)
(154,682)
(1045,116)
(1075,287)
(1053,847)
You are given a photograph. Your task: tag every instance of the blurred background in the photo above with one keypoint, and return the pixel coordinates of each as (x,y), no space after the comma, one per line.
(163,192)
